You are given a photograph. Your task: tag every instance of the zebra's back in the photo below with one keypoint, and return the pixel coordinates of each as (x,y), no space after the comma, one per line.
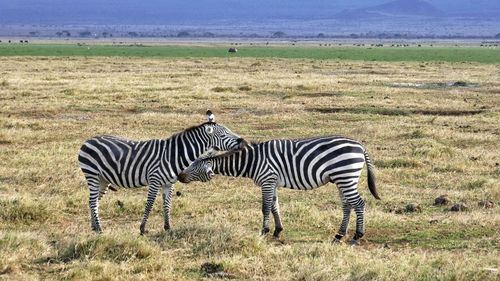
(119,161)
(310,163)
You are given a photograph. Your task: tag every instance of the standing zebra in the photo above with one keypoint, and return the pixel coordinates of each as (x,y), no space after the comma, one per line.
(109,161)
(302,164)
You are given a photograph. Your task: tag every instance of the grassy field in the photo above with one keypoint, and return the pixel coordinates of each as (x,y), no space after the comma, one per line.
(448,54)
(428,135)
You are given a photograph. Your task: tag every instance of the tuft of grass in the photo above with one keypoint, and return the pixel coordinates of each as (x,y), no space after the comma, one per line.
(213,240)
(447,169)
(475,184)
(397,163)
(416,134)
(222,89)
(245,88)
(106,247)
(4,83)
(22,210)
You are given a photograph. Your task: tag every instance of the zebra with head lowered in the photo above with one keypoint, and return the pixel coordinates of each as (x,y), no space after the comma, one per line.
(298,164)
(108,161)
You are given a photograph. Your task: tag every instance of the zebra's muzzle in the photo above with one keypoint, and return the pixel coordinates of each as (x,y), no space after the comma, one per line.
(182,177)
(242,142)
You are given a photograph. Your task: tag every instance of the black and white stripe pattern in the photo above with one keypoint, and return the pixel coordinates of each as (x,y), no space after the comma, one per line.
(109,161)
(298,164)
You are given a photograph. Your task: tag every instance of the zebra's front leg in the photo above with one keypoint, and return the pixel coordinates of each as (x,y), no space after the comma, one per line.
(278,227)
(152,192)
(267,203)
(167,197)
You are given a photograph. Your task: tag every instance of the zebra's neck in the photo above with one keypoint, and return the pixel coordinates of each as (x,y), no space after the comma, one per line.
(183,148)
(236,164)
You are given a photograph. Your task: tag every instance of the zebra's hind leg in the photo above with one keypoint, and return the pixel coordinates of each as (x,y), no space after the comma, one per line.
(93,182)
(351,199)
(359,208)
(104,185)
(346,211)
(275,209)
(152,192)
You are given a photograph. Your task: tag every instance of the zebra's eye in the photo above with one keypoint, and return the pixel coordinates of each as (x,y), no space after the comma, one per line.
(209,130)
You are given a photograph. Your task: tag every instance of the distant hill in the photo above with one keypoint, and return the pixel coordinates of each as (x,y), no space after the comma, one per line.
(398,8)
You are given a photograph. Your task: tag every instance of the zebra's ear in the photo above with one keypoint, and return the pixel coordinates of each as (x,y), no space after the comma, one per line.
(210,116)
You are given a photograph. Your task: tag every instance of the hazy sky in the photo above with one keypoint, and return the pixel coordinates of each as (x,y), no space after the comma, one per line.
(158,11)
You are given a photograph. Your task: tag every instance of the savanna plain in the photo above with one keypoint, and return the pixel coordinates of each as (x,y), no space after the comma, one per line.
(432,128)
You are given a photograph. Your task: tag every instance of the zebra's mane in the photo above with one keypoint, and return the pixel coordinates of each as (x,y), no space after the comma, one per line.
(304,139)
(192,128)
(224,153)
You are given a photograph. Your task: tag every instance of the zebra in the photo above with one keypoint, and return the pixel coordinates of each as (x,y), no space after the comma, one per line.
(297,164)
(109,161)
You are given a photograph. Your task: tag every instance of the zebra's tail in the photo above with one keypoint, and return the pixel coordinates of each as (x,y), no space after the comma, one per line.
(371,176)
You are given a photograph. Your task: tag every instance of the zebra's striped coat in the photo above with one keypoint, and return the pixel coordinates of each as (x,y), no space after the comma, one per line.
(298,164)
(113,161)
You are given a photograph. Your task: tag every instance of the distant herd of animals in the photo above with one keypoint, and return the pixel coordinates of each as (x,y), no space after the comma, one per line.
(190,155)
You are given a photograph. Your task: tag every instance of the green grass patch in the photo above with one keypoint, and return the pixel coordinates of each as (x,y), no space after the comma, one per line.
(447,54)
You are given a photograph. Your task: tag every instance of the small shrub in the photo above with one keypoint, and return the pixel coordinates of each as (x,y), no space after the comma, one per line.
(460,207)
(4,83)
(441,200)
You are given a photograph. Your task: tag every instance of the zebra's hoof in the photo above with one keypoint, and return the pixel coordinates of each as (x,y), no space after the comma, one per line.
(354,243)
(143,229)
(336,241)
(97,229)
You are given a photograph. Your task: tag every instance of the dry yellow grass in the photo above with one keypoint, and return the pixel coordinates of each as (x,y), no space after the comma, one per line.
(427,138)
